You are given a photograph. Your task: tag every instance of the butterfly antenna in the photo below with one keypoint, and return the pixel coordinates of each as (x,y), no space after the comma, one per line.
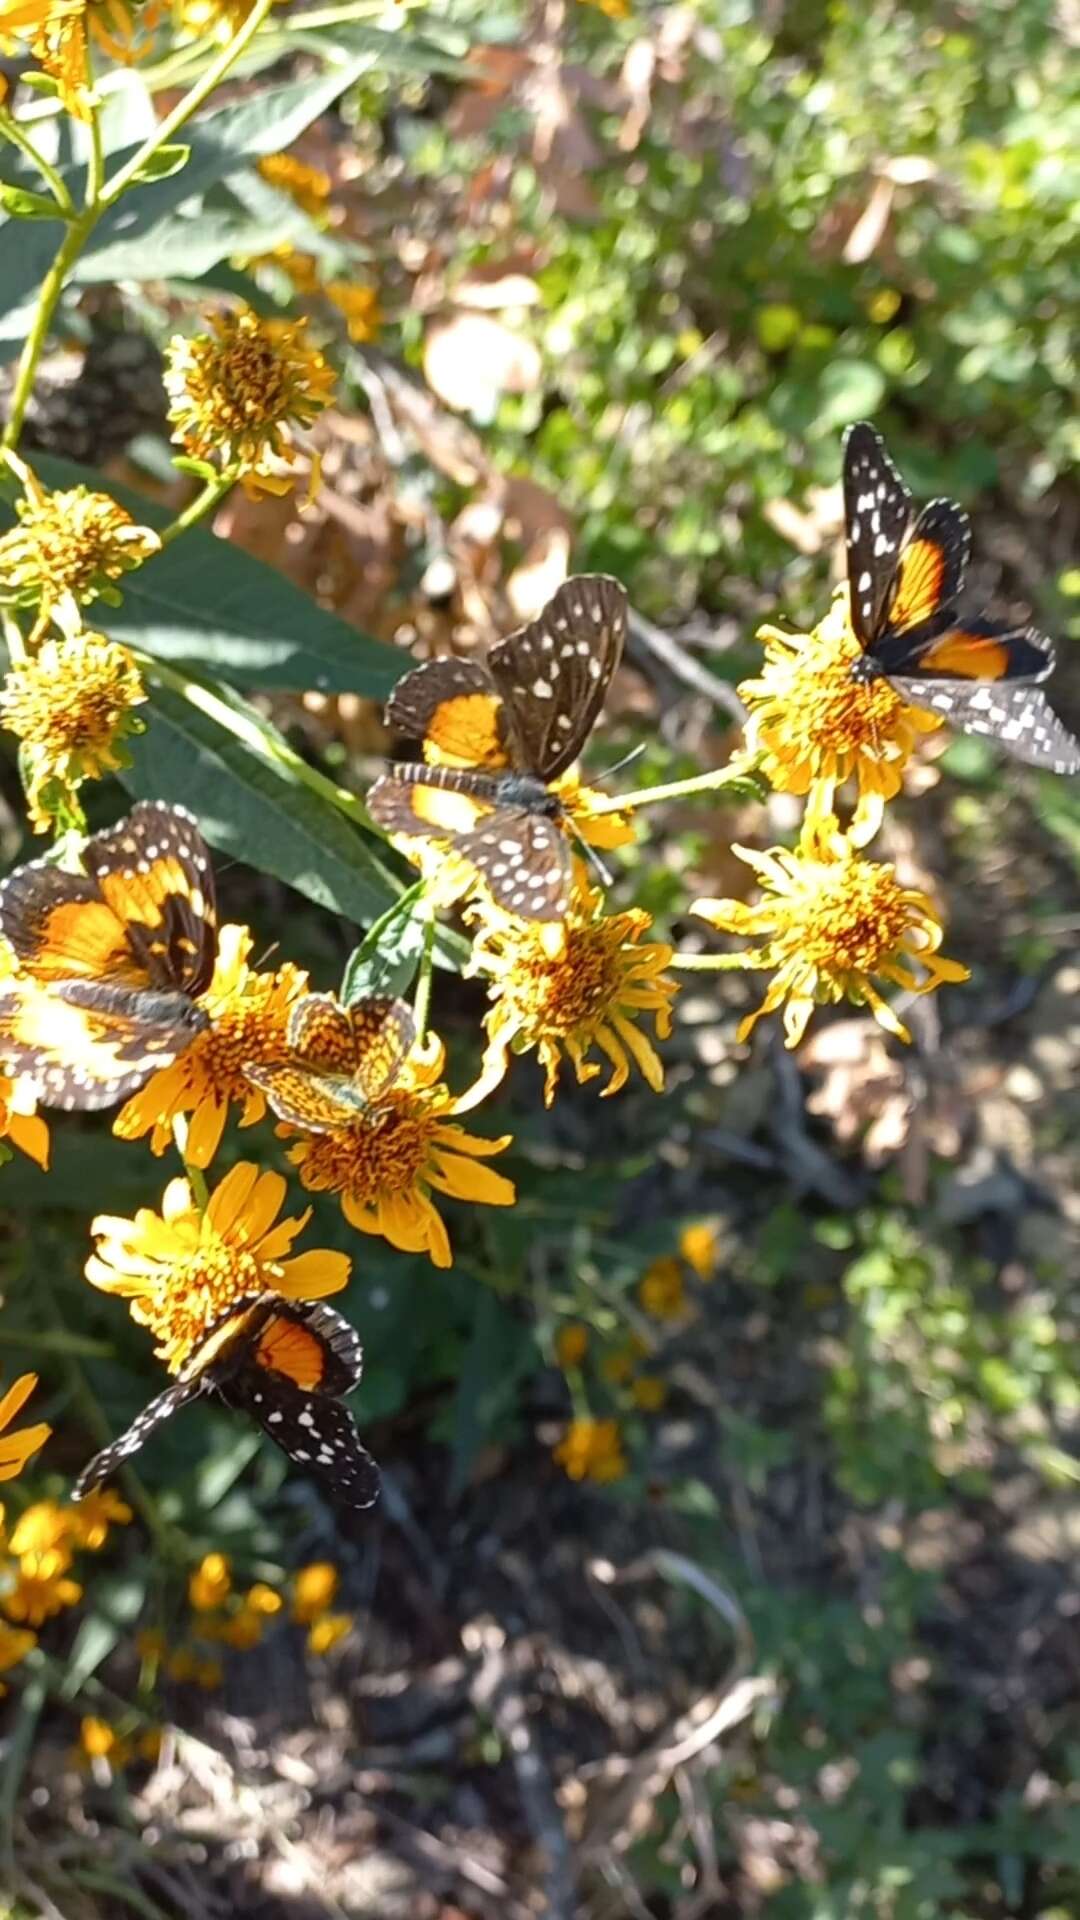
(606,879)
(635,753)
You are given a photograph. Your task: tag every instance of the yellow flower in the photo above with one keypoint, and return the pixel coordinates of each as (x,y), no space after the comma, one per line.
(67,550)
(360,307)
(19,1122)
(325,1632)
(571,1344)
(248,1012)
(15,1644)
(41,1587)
(699,1244)
(70,705)
(55,32)
(99,1741)
(263,1599)
(308,186)
(661,1290)
(183,1269)
(219,20)
(211,1583)
(239,390)
(16,1448)
(569,986)
(830,922)
(384,1164)
(314,1589)
(603,830)
(40,1528)
(592,1450)
(814,727)
(89,1522)
(649,1393)
(243,1629)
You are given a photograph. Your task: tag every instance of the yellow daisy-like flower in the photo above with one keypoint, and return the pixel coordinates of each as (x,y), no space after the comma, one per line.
(359,306)
(325,1632)
(308,186)
(699,1244)
(100,1741)
(15,1644)
(42,1588)
(314,1590)
(55,32)
(16,1448)
(385,1164)
(211,1583)
(248,1012)
(592,1450)
(89,1522)
(71,706)
(19,1121)
(182,1269)
(813,726)
(40,1528)
(568,986)
(238,391)
(67,550)
(830,923)
(661,1290)
(603,830)
(219,20)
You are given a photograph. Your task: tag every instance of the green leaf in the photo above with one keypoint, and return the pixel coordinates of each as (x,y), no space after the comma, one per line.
(163,163)
(206,604)
(386,960)
(24,205)
(257,811)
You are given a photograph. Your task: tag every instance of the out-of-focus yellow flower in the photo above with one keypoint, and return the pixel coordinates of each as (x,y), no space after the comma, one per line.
(699,1244)
(243,1629)
(248,1013)
(41,1527)
(662,1290)
(263,1599)
(308,186)
(359,306)
(571,1344)
(239,391)
(19,1120)
(385,1164)
(42,1588)
(183,1268)
(89,1522)
(567,987)
(219,20)
(814,727)
(649,1392)
(100,1741)
(70,704)
(67,549)
(16,1448)
(15,1644)
(211,1583)
(325,1632)
(830,923)
(314,1590)
(55,32)
(592,1450)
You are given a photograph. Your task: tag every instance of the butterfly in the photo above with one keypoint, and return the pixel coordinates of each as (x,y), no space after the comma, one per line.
(287,1364)
(341,1060)
(905,573)
(496,733)
(111,960)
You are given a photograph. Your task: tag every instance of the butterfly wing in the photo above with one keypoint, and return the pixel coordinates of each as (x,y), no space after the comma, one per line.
(525,860)
(86,1044)
(344,1060)
(877,514)
(929,575)
(104,1464)
(302,1358)
(455,708)
(59,928)
(555,672)
(154,872)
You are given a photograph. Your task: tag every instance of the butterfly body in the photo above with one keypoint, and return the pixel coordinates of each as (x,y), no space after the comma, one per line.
(496,734)
(906,574)
(341,1062)
(286,1364)
(112,961)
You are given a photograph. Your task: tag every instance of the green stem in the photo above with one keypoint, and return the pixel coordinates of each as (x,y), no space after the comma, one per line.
(95,172)
(11,130)
(422,1001)
(75,238)
(190,104)
(203,503)
(737,773)
(196,1178)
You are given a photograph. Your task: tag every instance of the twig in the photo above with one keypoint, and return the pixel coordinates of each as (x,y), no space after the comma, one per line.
(643,635)
(497,1690)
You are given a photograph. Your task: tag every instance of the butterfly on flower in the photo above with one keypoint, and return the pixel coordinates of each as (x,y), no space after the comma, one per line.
(905,573)
(496,734)
(287,1364)
(111,961)
(341,1060)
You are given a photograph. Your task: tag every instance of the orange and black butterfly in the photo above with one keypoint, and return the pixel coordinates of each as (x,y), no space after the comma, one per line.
(341,1060)
(905,573)
(496,733)
(111,960)
(286,1363)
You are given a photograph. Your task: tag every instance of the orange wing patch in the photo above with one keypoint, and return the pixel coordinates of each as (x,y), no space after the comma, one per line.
(918,589)
(967,656)
(436,810)
(464,730)
(78,939)
(285,1347)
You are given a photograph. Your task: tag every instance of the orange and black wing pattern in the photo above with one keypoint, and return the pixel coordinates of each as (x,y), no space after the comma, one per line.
(111,960)
(342,1060)
(555,672)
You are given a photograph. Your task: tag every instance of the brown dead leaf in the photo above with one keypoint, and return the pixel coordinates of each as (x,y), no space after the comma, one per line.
(863,1093)
(471,360)
(545,567)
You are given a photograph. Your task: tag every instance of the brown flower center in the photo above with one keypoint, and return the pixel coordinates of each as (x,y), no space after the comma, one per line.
(851,918)
(384,1154)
